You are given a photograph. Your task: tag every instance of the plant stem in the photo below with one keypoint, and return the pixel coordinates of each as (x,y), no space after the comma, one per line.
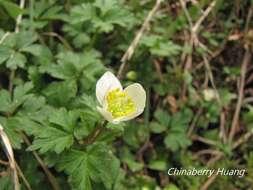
(52,179)
(129,53)
(94,134)
(11,78)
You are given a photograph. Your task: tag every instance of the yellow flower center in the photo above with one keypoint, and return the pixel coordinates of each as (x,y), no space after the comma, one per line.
(119,103)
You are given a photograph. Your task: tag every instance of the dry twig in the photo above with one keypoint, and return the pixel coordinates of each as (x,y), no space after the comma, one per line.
(4,37)
(128,54)
(246,60)
(10,155)
(245,63)
(60,38)
(4,162)
(223,132)
(19,18)
(158,70)
(27,184)
(209,182)
(195,120)
(203,140)
(193,41)
(206,151)
(50,176)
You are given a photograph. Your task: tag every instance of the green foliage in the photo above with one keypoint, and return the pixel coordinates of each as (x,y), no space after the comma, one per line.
(58,135)
(176,137)
(6,183)
(13,9)
(102,15)
(176,127)
(160,47)
(15,46)
(96,164)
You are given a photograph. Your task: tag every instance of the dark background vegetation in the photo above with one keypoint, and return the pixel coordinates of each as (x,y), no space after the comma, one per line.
(194,59)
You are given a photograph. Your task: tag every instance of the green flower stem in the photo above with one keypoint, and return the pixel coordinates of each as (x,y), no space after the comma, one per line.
(94,134)
(11,78)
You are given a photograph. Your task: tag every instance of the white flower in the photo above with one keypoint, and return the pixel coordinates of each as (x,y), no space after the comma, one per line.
(209,94)
(118,104)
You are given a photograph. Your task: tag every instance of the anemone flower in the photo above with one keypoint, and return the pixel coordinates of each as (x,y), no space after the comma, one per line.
(118,104)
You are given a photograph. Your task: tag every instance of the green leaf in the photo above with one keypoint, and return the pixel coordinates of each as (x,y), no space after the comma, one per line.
(128,158)
(24,39)
(87,104)
(52,12)
(63,70)
(45,59)
(96,164)
(180,120)
(161,47)
(11,132)
(105,6)
(6,182)
(92,64)
(16,60)
(159,165)
(81,39)
(5,101)
(2,33)
(22,123)
(33,104)
(134,134)
(133,165)
(171,187)
(67,120)
(5,53)
(41,115)
(157,128)
(176,137)
(13,9)
(34,49)
(72,65)
(248,117)
(20,94)
(103,15)
(111,14)
(60,93)
(52,139)
(58,134)
(226,96)
(162,117)
(176,140)
(166,49)
(81,13)
(212,134)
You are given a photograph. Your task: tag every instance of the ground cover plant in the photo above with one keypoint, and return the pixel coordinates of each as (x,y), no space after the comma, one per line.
(191,107)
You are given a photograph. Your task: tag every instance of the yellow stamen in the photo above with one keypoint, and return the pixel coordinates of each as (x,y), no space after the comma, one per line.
(119,103)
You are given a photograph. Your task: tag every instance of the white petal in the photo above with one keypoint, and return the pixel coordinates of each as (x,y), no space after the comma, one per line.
(138,95)
(106,83)
(129,117)
(107,115)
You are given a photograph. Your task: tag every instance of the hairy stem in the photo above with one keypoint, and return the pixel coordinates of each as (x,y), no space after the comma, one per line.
(94,134)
